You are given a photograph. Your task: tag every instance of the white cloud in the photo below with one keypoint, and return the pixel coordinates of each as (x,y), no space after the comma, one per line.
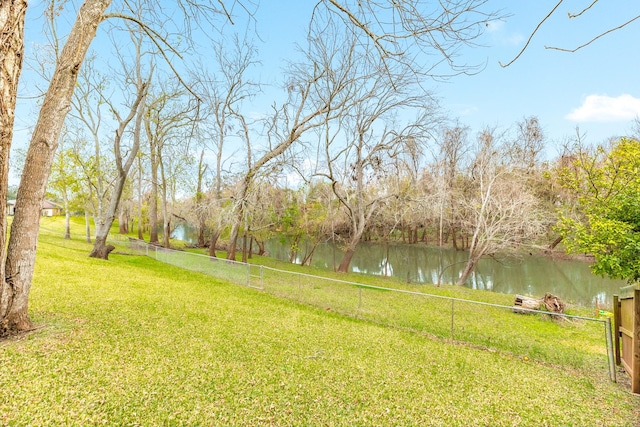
(502,36)
(602,108)
(464,109)
(514,39)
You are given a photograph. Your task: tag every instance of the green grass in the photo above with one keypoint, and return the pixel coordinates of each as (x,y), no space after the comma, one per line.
(575,343)
(134,342)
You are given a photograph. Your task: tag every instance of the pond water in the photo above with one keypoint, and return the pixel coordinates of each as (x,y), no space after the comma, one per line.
(571,280)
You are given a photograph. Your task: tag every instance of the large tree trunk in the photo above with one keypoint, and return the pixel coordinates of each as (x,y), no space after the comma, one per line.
(239,216)
(472,262)
(44,141)
(101,249)
(12,13)
(166,217)
(351,249)
(346,260)
(244,246)
(102,230)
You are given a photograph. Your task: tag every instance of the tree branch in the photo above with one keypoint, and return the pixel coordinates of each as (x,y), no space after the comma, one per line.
(593,39)
(531,36)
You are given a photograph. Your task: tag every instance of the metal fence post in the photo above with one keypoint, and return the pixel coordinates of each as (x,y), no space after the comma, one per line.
(610,354)
(452,311)
(616,328)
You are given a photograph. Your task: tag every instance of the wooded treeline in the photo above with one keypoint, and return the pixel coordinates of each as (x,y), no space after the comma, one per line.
(355,150)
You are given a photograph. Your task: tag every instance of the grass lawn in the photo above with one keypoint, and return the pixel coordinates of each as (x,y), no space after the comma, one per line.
(130,341)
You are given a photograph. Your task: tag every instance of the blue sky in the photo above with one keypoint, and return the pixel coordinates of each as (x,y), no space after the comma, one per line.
(596,88)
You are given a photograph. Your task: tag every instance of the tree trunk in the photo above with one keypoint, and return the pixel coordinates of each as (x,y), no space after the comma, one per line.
(351,247)
(261,250)
(201,227)
(101,249)
(167,233)
(231,251)
(153,200)
(555,243)
(140,221)
(199,201)
(239,217)
(468,268)
(12,13)
(123,223)
(454,239)
(21,252)
(309,256)
(87,226)
(67,219)
(346,260)
(214,241)
(244,246)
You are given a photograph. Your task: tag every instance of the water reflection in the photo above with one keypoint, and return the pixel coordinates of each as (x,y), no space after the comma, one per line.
(530,275)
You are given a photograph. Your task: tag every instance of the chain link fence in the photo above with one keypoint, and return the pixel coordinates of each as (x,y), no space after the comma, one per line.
(579,342)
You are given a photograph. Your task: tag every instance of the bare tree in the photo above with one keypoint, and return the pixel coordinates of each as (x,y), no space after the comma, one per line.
(453,147)
(168,122)
(124,154)
(223,95)
(362,152)
(501,213)
(525,149)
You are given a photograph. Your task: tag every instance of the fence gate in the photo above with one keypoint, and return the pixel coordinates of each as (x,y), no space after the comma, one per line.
(627,332)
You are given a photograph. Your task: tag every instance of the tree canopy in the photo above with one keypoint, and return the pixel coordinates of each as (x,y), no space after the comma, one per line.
(606,220)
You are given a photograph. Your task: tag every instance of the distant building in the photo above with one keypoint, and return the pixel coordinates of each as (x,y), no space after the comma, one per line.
(48,208)
(11,206)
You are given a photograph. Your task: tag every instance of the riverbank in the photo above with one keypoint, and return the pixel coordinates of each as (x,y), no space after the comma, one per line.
(532,271)
(131,341)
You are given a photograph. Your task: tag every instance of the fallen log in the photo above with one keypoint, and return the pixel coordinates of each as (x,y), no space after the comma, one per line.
(549,303)
(553,303)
